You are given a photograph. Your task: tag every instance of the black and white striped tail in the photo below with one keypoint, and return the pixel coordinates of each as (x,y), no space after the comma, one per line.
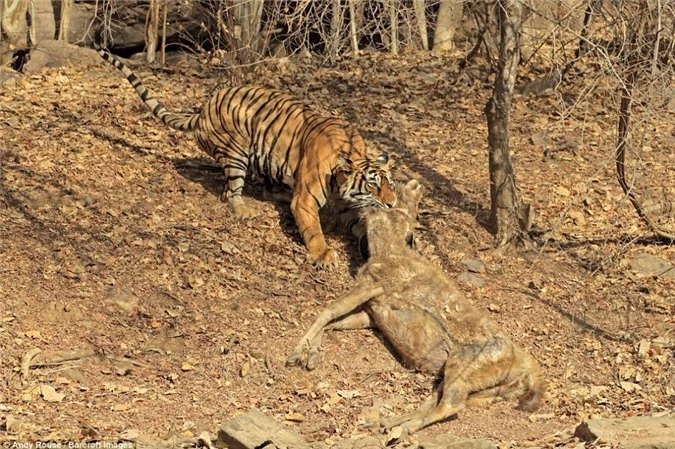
(160,111)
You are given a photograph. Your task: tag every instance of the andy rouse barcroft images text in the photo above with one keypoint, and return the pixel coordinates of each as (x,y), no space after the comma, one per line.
(67,445)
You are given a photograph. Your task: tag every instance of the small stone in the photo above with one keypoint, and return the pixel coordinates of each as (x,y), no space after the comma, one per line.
(638,432)
(536,283)
(474,265)
(253,430)
(88,201)
(471,279)
(540,139)
(651,265)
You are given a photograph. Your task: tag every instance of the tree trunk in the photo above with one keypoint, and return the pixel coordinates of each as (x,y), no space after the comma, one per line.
(64,20)
(354,21)
(591,10)
(247,25)
(13,21)
(508,216)
(393,20)
(449,18)
(335,30)
(164,20)
(421,22)
(630,81)
(152,31)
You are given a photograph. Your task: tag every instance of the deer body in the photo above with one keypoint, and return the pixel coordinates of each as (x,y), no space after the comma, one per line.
(430,324)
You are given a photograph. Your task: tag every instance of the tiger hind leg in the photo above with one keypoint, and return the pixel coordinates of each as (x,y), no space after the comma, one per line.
(235,169)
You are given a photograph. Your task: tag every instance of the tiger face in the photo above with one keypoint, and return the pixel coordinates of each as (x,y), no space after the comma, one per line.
(366,183)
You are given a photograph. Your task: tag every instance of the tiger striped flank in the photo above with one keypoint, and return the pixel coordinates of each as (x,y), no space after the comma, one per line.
(255,130)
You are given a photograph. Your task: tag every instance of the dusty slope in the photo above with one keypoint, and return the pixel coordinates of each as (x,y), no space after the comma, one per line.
(113,240)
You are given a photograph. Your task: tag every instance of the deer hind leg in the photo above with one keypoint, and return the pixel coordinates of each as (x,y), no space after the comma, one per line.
(341,309)
(453,400)
(469,368)
(234,161)
(487,397)
(429,403)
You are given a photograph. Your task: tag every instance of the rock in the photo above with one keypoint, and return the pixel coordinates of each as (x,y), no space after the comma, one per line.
(651,265)
(9,79)
(640,432)
(254,430)
(51,53)
(540,139)
(471,279)
(448,441)
(474,265)
(45,26)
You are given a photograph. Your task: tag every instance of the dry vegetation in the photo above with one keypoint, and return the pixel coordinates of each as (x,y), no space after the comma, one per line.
(114,244)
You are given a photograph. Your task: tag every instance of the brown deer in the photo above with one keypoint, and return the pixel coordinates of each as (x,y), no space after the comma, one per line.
(430,324)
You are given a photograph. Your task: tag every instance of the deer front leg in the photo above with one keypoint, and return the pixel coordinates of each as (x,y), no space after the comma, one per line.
(341,308)
(357,320)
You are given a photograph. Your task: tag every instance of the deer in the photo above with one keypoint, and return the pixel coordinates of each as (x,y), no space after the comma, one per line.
(430,324)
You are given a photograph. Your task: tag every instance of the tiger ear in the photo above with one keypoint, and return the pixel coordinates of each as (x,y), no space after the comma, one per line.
(343,162)
(383,160)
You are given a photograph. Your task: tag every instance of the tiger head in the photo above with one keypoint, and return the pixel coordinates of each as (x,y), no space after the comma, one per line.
(365,183)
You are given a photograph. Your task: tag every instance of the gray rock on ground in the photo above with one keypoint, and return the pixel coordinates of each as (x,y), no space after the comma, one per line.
(474,265)
(640,432)
(471,279)
(651,265)
(255,430)
(52,53)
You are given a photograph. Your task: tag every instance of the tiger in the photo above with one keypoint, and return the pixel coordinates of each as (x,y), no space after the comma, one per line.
(260,131)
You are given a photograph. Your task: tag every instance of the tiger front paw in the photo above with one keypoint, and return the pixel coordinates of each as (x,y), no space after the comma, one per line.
(326,260)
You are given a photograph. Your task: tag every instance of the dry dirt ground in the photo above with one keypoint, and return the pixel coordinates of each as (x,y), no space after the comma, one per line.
(114,246)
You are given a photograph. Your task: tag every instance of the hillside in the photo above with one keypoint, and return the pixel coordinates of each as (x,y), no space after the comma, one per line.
(114,245)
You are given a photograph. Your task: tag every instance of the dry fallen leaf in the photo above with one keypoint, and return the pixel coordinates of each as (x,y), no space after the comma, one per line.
(49,394)
(245,368)
(348,394)
(186,367)
(295,417)
(121,407)
(129,434)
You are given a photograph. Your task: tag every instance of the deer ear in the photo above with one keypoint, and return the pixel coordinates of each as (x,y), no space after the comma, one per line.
(409,195)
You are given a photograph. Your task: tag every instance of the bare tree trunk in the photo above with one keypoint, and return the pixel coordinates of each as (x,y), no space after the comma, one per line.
(247,26)
(335,30)
(393,20)
(508,216)
(591,9)
(354,21)
(449,18)
(13,28)
(421,22)
(166,12)
(152,31)
(625,111)
(64,22)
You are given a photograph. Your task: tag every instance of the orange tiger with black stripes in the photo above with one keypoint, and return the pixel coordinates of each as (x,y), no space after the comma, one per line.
(279,138)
